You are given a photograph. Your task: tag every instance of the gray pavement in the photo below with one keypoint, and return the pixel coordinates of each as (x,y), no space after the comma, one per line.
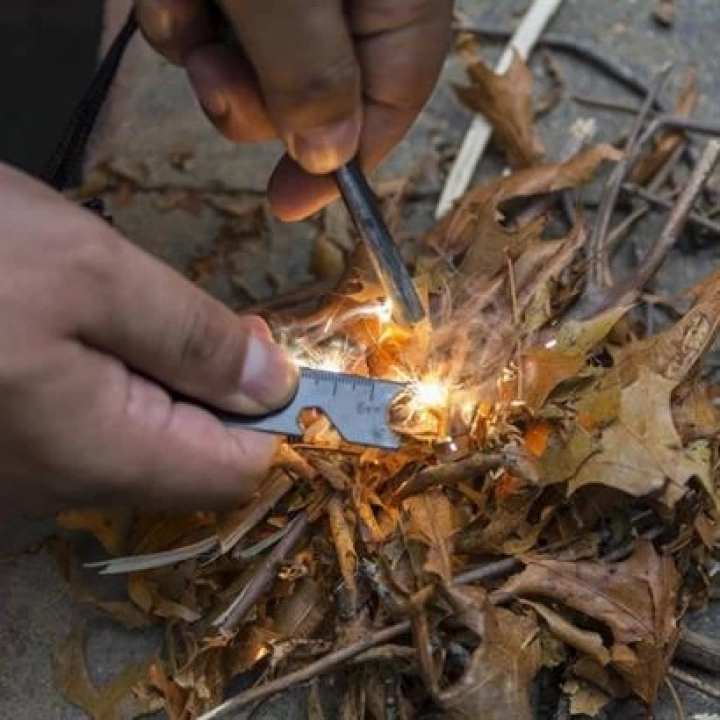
(151,118)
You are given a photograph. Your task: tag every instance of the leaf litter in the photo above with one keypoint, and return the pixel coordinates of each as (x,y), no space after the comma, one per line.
(553,509)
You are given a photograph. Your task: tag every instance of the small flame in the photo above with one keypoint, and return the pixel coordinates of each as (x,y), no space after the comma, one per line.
(550,344)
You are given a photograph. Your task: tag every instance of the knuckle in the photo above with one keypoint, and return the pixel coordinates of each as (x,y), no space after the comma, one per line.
(198,340)
(329,83)
(377,16)
(88,253)
(206,343)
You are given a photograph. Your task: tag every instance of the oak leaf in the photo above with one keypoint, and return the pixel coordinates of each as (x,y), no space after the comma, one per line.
(430,521)
(506,103)
(496,681)
(635,600)
(562,357)
(641,452)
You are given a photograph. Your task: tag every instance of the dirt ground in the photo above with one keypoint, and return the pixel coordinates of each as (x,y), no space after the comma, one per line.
(152,120)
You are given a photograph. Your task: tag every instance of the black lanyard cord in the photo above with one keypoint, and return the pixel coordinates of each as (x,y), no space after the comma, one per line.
(64,164)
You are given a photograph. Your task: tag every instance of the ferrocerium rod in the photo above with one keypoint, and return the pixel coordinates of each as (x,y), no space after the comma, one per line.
(392,272)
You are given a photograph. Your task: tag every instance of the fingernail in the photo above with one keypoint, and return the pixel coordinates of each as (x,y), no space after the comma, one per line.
(268,376)
(324,149)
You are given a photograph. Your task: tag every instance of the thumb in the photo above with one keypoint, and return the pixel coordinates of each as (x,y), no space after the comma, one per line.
(163,326)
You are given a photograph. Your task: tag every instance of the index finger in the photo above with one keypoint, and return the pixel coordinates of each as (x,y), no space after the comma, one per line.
(401,48)
(303,56)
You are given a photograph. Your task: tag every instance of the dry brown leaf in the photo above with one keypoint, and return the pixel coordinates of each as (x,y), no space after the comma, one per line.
(506,103)
(496,682)
(585,641)
(430,521)
(586,699)
(635,599)
(563,356)
(675,352)
(694,413)
(174,697)
(475,219)
(641,452)
(566,455)
(204,680)
(115,700)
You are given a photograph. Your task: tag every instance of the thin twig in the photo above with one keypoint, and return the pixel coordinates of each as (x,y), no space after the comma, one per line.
(488,571)
(694,682)
(661,177)
(260,581)
(449,473)
(324,665)
(628,291)
(676,699)
(599,270)
(604,104)
(654,199)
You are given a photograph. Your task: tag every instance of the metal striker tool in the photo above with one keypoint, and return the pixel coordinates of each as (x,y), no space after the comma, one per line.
(357,406)
(394,276)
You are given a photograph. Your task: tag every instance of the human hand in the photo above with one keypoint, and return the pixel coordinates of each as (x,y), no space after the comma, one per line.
(91,329)
(328,77)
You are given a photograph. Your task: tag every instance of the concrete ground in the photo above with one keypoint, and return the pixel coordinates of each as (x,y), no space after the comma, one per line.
(151,121)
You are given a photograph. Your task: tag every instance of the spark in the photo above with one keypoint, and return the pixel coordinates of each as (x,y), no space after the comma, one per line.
(550,344)
(384,311)
(332,357)
(431,393)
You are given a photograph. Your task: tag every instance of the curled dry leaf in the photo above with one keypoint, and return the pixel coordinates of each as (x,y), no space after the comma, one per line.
(505,101)
(636,600)
(584,641)
(496,681)
(431,521)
